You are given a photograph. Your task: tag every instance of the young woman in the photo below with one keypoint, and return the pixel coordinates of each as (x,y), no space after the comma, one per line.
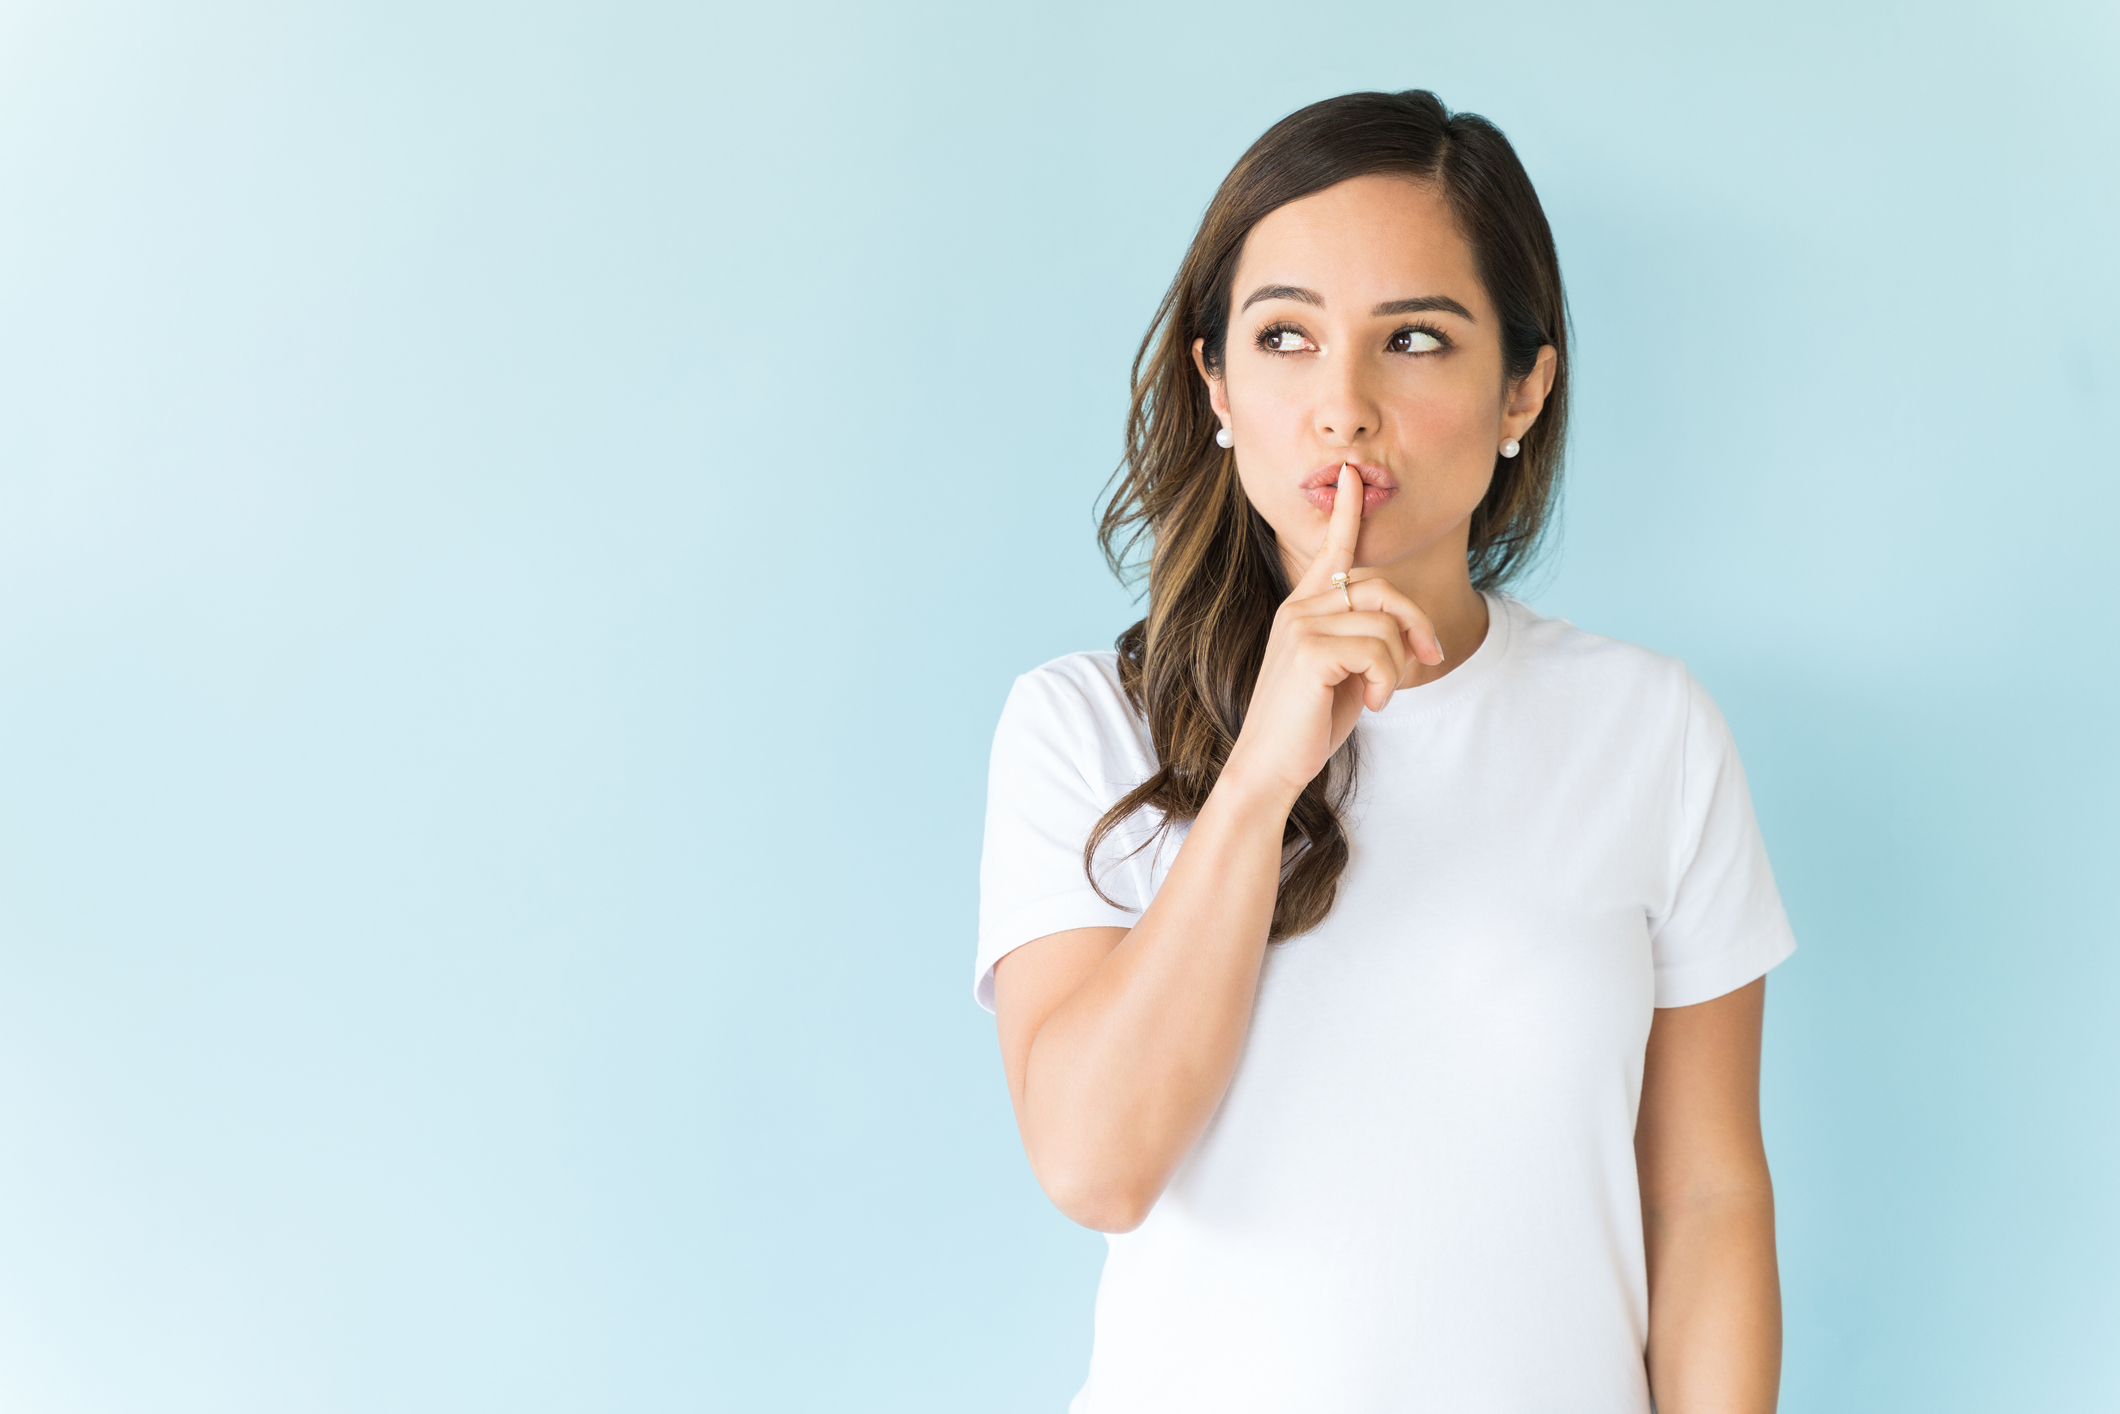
(1379,962)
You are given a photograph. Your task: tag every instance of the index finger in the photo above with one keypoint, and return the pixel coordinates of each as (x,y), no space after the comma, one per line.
(1336,555)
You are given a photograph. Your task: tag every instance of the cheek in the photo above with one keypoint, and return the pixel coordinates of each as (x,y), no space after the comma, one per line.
(1451,442)
(1447,425)
(1271,411)
(1275,448)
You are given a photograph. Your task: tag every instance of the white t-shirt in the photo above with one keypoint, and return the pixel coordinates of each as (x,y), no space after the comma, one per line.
(1419,1192)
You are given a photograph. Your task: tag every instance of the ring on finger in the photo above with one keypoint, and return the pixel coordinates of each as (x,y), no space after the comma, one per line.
(1340,582)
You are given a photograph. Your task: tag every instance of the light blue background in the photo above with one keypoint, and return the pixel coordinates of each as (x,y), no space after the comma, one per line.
(516,523)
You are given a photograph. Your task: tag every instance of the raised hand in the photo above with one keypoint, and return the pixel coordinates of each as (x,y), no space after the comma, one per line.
(1325,661)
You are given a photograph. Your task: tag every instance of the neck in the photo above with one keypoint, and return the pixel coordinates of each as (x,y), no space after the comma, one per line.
(1459,613)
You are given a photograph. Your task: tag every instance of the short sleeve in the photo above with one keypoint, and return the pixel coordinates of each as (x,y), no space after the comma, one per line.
(1725,924)
(1050,779)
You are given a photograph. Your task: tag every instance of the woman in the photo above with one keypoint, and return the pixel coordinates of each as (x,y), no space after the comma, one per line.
(1379,962)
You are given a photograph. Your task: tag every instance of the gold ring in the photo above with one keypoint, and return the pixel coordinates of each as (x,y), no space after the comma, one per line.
(1340,582)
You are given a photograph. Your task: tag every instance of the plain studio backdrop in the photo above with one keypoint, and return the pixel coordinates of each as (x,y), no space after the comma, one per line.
(516,523)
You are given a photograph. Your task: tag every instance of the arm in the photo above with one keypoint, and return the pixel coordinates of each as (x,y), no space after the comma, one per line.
(1119,1043)
(1708,1211)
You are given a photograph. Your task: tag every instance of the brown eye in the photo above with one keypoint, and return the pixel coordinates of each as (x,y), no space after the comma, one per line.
(1414,341)
(1281,341)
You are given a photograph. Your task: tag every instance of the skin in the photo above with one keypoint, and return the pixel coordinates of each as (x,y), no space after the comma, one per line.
(1119,1043)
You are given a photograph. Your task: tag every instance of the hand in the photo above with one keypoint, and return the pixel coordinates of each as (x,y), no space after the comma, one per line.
(1324,663)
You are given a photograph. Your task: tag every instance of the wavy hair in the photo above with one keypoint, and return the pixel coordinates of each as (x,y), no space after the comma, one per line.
(1215,576)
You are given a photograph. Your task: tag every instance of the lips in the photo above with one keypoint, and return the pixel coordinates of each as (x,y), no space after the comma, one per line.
(1321,487)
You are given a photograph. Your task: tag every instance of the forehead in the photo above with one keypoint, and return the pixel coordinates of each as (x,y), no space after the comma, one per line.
(1361,242)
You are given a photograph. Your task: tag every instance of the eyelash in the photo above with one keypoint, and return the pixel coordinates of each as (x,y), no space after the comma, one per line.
(1429,329)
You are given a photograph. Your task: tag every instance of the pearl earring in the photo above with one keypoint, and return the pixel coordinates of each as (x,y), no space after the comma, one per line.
(1511,447)
(1223,437)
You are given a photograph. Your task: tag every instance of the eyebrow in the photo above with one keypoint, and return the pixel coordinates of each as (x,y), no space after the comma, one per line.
(1424,303)
(1294,292)
(1420,304)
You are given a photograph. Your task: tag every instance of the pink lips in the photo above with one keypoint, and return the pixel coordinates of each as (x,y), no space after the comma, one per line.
(1321,487)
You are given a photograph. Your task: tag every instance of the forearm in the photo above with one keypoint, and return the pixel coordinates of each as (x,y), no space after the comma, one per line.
(1124,1075)
(1714,1303)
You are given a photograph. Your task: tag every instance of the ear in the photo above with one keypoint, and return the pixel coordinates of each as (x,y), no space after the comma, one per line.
(1217,394)
(1527,399)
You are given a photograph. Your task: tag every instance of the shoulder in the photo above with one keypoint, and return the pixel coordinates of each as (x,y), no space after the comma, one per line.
(1598,674)
(1075,706)
(1626,703)
(1087,681)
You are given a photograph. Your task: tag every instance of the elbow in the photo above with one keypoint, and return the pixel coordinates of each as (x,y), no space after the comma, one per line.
(1104,1212)
(1101,1202)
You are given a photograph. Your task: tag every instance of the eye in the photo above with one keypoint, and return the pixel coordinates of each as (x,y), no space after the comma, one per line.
(1284,338)
(1417,340)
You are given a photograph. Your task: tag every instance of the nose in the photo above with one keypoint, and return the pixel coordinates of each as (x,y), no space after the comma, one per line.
(1346,409)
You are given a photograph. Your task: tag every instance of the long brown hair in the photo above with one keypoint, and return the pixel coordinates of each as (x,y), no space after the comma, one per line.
(1215,576)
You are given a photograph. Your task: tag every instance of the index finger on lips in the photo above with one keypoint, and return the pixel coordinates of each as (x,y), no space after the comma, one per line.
(1341,532)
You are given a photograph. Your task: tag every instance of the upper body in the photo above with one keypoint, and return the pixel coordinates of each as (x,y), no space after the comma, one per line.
(1419,1189)
(1363,1043)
